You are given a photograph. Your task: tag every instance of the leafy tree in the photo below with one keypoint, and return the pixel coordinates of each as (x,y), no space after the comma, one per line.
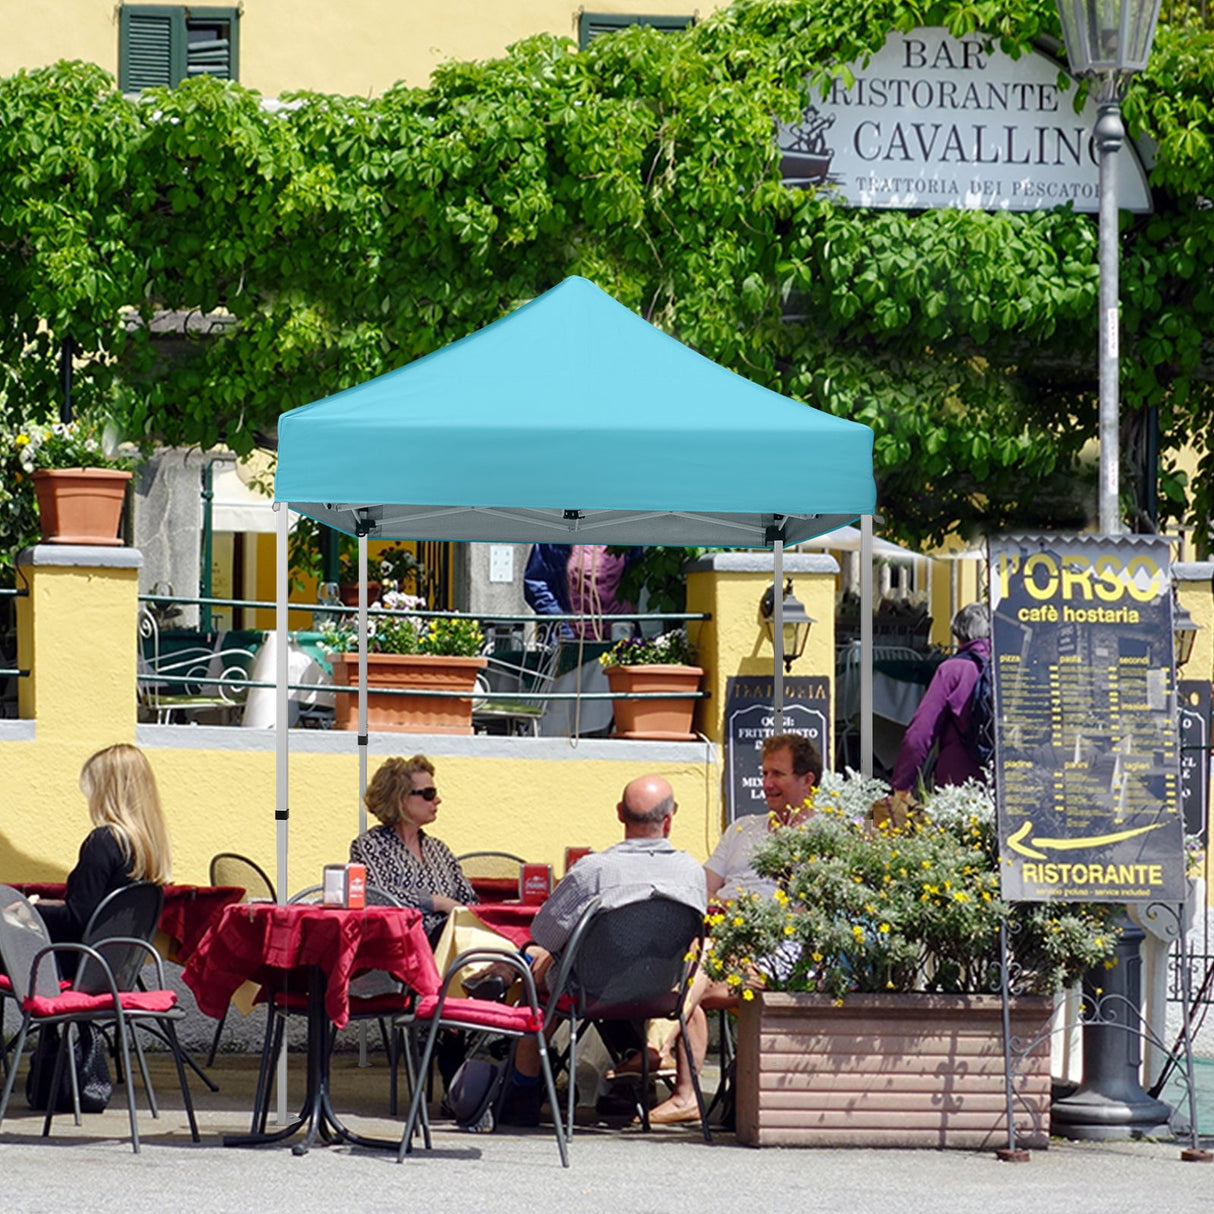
(306,247)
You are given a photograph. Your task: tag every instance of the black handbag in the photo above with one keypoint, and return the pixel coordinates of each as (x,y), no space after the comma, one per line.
(92,1071)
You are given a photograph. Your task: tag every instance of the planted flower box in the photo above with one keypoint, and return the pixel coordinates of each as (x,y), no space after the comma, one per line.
(896,1070)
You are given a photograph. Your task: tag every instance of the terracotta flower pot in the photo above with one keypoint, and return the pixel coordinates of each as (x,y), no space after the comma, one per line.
(408,714)
(889,1071)
(656,720)
(80,505)
(348,593)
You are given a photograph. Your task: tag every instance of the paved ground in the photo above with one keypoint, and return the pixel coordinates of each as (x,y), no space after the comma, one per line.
(615,1169)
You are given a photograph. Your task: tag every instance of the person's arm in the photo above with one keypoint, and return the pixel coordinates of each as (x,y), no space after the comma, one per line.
(90,880)
(556,919)
(714,883)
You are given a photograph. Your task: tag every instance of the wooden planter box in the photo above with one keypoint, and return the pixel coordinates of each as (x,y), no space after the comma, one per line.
(408,714)
(889,1071)
(656,720)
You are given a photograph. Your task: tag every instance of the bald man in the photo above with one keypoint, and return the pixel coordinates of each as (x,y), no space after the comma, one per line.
(644,865)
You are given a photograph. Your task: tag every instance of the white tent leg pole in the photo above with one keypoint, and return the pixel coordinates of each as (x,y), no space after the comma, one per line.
(777,624)
(281,747)
(362,729)
(866,645)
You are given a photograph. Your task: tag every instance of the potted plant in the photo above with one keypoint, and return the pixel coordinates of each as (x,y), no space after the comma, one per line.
(78,488)
(867,1013)
(663,663)
(408,651)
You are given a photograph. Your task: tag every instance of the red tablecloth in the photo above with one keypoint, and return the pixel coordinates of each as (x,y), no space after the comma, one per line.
(188,914)
(262,942)
(509,919)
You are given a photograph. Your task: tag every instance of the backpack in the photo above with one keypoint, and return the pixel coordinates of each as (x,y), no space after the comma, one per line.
(980,737)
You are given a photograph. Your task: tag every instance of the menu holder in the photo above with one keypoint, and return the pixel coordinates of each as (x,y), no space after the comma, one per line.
(345,885)
(534,883)
(574,854)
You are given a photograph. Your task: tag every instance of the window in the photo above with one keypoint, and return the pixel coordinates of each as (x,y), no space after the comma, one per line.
(165,44)
(591,25)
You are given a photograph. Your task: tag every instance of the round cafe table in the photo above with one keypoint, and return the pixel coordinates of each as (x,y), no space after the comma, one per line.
(317,949)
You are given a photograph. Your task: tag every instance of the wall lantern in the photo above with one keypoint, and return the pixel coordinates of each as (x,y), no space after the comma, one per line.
(797,622)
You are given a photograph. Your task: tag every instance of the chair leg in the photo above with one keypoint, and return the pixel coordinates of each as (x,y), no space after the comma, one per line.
(175,1047)
(419,1094)
(72,1037)
(61,1055)
(269,1051)
(553,1102)
(22,1034)
(153,1107)
(126,1070)
(571,1057)
(695,1078)
(215,1040)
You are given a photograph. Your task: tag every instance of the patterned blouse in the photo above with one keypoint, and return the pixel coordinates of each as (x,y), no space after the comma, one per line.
(394,868)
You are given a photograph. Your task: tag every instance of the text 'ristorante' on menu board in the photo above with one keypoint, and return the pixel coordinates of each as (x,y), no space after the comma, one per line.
(1087,760)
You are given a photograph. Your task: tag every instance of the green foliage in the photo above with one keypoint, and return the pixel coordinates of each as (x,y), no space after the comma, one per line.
(879,908)
(668,649)
(332,239)
(392,627)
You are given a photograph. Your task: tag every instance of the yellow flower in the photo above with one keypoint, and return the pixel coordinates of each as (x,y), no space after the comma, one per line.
(884,928)
(22,440)
(738,921)
(733,980)
(789,930)
(748,995)
(858,932)
(816,956)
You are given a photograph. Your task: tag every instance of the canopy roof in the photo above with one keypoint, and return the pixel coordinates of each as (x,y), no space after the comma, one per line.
(573,419)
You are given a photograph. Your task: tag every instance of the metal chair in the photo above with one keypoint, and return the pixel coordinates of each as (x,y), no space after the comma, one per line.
(633,963)
(189,681)
(526,675)
(103,993)
(479,1016)
(230,868)
(493,874)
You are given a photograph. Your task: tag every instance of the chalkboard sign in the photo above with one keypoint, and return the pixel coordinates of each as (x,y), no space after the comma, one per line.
(749,721)
(1195,757)
(1087,754)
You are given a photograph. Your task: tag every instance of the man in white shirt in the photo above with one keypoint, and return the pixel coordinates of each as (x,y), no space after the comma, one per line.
(792,768)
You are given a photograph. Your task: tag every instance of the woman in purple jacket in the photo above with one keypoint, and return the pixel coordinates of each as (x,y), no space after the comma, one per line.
(943,715)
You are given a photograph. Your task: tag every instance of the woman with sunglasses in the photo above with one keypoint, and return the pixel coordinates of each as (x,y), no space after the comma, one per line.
(399,855)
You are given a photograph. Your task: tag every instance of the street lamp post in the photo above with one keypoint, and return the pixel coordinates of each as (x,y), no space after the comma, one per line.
(1108,41)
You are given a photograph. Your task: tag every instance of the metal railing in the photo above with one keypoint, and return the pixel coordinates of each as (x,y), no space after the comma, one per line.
(325,612)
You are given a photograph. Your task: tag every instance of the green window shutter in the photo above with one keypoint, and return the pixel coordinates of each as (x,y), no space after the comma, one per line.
(165,44)
(591,25)
(211,46)
(148,39)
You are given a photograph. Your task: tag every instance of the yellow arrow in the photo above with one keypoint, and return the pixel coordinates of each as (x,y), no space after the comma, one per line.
(1017,841)
(1095,840)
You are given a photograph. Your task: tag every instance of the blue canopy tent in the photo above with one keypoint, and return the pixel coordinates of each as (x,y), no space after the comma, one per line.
(571,419)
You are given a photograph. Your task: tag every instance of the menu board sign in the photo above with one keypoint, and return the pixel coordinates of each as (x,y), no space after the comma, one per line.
(1087,753)
(750,721)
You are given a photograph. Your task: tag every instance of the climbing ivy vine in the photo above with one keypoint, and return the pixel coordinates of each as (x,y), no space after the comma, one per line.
(323,240)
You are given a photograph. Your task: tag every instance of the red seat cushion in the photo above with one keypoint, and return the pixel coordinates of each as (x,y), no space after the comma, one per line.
(75,1002)
(483,1014)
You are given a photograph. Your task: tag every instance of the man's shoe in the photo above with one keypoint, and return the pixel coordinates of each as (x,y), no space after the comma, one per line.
(520,1106)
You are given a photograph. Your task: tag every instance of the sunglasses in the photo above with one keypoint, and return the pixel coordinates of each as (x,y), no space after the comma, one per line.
(426,794)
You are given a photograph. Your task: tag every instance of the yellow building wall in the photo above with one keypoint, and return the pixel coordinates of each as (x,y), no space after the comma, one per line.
(534,797)
(356,47)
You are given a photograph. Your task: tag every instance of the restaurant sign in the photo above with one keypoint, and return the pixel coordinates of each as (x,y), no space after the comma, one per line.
(934,121)
(1086,743)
